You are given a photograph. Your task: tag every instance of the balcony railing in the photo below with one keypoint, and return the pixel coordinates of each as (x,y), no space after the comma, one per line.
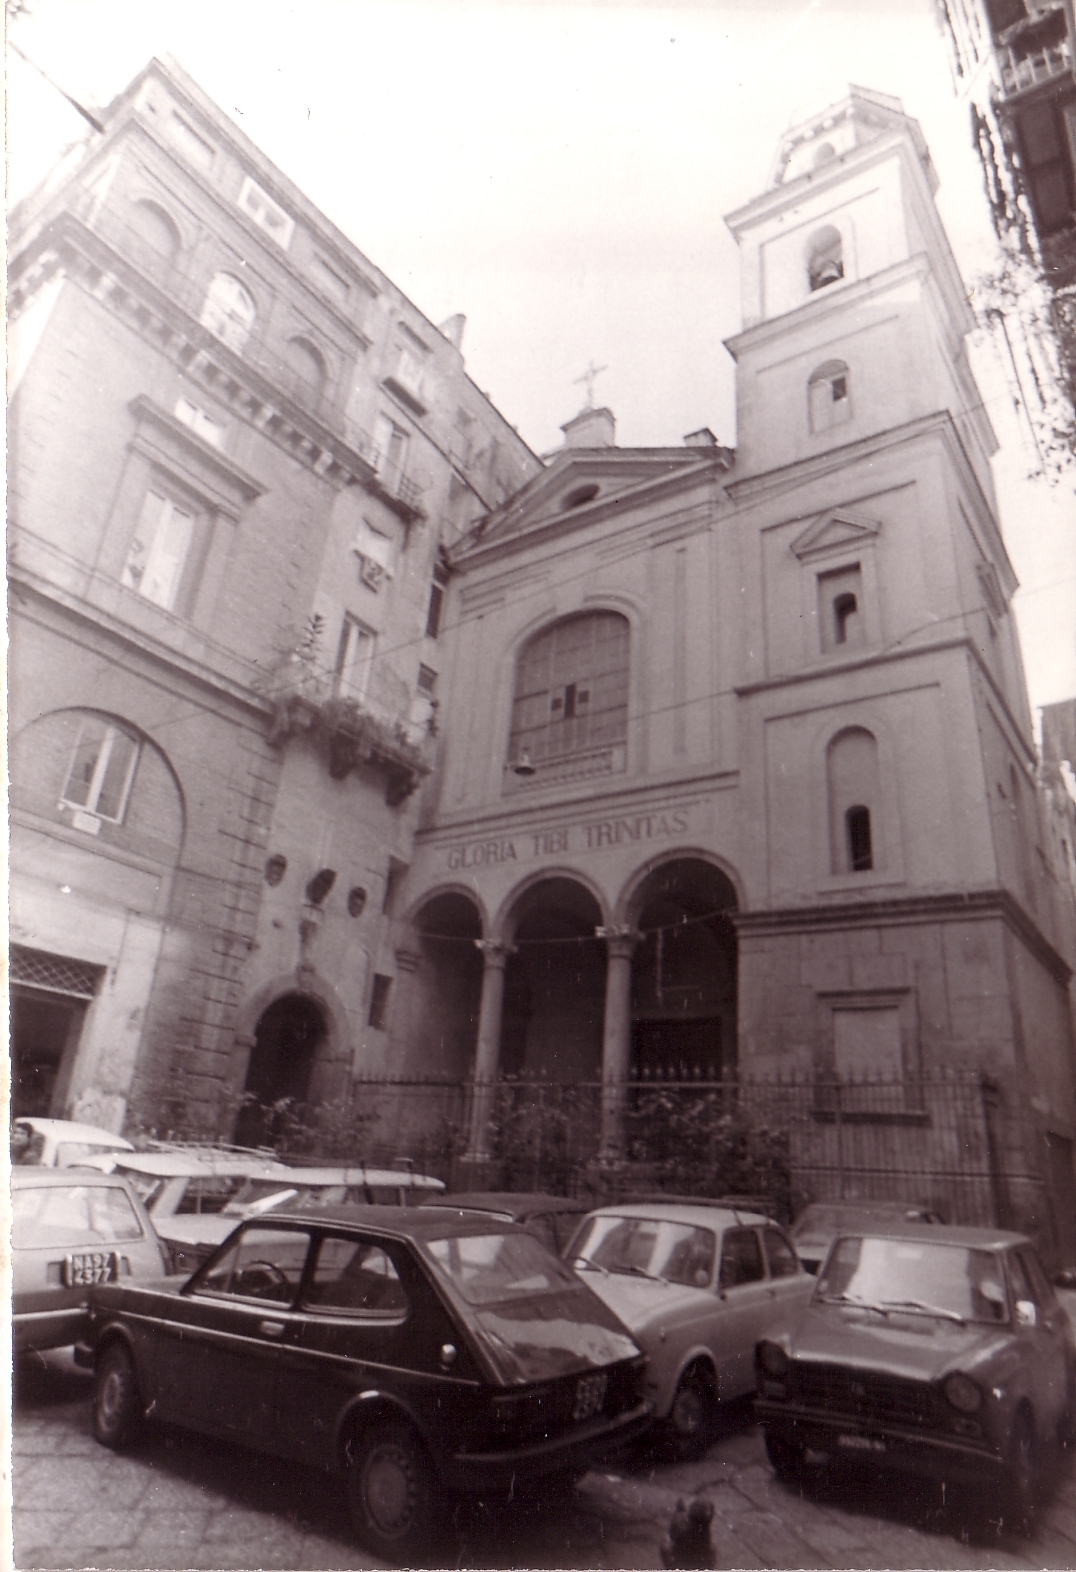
(1041,65)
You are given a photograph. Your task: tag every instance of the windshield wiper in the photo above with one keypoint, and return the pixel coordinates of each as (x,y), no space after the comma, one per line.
(638,1271)
(589,1265)
(918,1304)
(850,1299)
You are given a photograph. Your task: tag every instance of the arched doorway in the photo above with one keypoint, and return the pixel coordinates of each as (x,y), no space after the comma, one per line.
(684,973)
(447,986)
(286,1041)
(554,985)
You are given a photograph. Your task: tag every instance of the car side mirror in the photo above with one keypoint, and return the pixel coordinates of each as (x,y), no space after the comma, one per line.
(1026,1313)
(448,1355)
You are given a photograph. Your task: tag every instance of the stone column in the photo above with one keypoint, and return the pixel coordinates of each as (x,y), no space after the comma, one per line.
(616,1036)
(488,1049)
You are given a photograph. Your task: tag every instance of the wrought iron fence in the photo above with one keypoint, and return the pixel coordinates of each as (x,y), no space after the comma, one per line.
(954,1141)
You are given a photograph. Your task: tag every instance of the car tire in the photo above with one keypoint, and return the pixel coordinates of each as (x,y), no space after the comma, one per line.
(693,1416)
(390,1490)
(787,1457)
(117,1402)
(1022,1476)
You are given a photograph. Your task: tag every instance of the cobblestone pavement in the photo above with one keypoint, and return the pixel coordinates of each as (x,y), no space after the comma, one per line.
(178,1501)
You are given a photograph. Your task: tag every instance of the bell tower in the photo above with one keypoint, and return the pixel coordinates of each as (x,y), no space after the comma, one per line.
(854,311)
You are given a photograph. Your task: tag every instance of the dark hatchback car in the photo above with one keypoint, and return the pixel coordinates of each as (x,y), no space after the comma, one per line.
(931,1350)
(551,1218)
(414,1352)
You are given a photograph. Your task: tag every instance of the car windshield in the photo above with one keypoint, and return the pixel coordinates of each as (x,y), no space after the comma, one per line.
(647,1247)
(487,1268)
(951,1280)
(55,1216)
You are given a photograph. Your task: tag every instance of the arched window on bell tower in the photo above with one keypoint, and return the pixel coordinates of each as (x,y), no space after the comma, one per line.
(825,257)
(852,786)
(829,400)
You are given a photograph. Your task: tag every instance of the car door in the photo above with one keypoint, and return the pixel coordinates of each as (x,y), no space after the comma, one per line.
(218,1356)
(368,1321)
(790,1286)
(1047,1340)
(744,1304)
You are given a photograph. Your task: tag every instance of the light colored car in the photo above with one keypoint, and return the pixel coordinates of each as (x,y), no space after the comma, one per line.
(71,1228)
(58,1143)
(697,1287)
(192,1239)
(196,1181)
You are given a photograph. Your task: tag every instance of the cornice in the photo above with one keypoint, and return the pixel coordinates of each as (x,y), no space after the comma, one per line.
(910,911)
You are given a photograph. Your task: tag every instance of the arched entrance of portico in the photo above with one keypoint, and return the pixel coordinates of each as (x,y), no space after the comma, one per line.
(287,1038)
(554,983)
(683,972)
(446,987)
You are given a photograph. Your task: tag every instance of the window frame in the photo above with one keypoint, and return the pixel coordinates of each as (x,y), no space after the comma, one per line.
(100,770)
(353,634)
(221,318)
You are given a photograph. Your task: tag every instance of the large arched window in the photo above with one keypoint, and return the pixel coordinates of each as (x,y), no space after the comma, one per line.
(571,697)
(153,225)
(228,311)
(829,400)
(825,257)
(852,789)
(308,370)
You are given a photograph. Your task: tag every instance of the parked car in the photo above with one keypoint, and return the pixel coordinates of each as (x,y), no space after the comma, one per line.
(934,1350)
(412,1351)
(819,1224)
(554,1219)
(190,1181)
(192,1240)
(70,1229)
(697,1287)
(57,1143)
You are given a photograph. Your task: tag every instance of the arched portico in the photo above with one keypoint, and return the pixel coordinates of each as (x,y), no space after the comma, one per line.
(445,990)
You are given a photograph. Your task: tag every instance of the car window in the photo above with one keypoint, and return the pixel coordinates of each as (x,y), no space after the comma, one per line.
(1041,1291)
(1021,1285)
(208,1193)
(946,1278)
(353,1276)
(648,1247)
(540,1224)
(55,1216)
(487,1268)
(741,1258)
(783,1260)
(263,1263)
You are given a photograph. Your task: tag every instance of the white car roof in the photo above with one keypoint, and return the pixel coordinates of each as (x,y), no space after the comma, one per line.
(395,1177)
(700,1216)
(177,1165)
(72,1130)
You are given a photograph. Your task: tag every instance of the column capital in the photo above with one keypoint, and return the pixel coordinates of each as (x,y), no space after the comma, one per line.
(495,952)
(620,938)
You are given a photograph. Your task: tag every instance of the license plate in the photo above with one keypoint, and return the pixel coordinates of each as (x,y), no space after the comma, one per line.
(589,1395)
(861,1443)
(95,1266)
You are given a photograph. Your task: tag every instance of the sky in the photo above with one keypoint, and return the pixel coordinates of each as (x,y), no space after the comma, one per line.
(559,174)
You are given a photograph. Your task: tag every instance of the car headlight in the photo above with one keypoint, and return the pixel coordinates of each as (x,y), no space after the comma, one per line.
(773,1359)
(963,1393)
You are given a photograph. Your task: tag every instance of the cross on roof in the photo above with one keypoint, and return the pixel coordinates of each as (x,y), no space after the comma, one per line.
(588,377)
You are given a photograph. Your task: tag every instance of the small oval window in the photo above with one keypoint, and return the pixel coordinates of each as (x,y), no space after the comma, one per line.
(581,494)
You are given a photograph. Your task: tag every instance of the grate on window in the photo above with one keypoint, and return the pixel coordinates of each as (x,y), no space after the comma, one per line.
(55,973)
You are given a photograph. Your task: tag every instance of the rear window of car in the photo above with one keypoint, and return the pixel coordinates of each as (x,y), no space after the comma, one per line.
(54,1216)
(486,1269)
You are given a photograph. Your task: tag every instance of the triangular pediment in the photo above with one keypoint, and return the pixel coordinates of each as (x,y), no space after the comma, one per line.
(580,485)
(834,531)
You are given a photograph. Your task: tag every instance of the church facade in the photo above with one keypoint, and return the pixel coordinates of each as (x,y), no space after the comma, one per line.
(737,776)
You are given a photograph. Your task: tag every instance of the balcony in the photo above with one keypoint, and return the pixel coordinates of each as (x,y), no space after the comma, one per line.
(1021,70)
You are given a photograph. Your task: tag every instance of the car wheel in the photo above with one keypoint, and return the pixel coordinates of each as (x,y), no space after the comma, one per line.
(117,1402)
(693,1414)
(390,1490)
(1021,1486)
(786,1456)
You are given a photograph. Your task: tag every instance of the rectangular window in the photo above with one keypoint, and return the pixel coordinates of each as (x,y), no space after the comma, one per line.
(437,600)
(390,451)
(354,657)
(379,1002)
(427,679)
(840,609)
(158,552)
(259,205)
(102,770)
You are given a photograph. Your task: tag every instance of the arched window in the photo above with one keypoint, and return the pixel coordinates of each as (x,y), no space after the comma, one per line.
(828,400)
(228,311)
(853,793)
(153,225)
(845,610)
(571,697)
(825,258)
(308,370)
